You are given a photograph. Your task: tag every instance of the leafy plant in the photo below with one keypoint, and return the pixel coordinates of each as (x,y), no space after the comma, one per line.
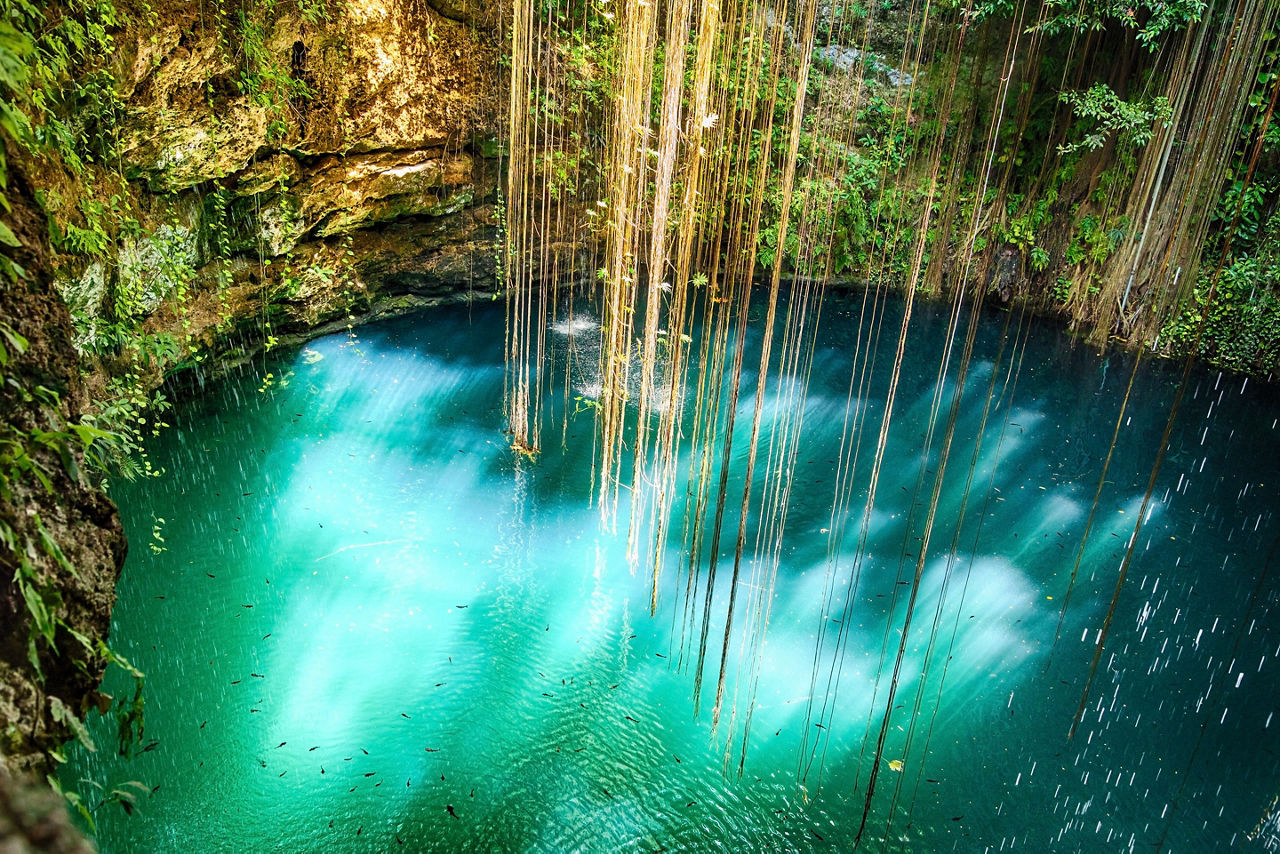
(1110,115)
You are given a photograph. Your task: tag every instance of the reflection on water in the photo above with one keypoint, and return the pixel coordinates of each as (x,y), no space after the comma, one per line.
(372,624)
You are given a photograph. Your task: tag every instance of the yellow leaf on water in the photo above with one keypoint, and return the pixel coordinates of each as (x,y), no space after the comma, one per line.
(895,764)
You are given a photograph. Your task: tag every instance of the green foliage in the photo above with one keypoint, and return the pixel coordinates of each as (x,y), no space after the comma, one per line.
(1095,240)
(561,170)
(1108,115)
(129,414)
(16,50)
(1242,322)
(1023,231)
(71,720)
(1241,325)
(260,76)
(25,458)
(1150,20)
(72,108)
(837,223)
(1245,206)
(834,209)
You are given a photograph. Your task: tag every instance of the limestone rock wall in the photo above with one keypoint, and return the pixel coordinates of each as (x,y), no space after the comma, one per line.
(66,543)
(308,199)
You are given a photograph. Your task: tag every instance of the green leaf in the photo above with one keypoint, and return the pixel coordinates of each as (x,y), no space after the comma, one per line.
(38,609)
(64,715)
(7,237)
(52,548)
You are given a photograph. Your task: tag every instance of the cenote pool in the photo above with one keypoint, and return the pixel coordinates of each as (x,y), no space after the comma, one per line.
(371,626)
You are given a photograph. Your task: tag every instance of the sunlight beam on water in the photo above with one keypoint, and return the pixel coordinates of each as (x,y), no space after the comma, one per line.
(370,621)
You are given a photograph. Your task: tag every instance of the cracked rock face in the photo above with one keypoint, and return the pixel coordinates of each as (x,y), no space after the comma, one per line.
(248,184)
(383,76)
(339,195)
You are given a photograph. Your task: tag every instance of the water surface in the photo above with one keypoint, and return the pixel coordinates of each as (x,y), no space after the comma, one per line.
(368,623)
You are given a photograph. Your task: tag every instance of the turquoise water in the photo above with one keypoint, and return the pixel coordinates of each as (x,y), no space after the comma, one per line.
(370,626)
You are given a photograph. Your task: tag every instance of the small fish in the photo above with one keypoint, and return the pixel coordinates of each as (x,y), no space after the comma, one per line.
(281,744)
(309,749)
(267,635)
(403,715)
(449,808)
(431,749)
(371,773)
(956,817)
